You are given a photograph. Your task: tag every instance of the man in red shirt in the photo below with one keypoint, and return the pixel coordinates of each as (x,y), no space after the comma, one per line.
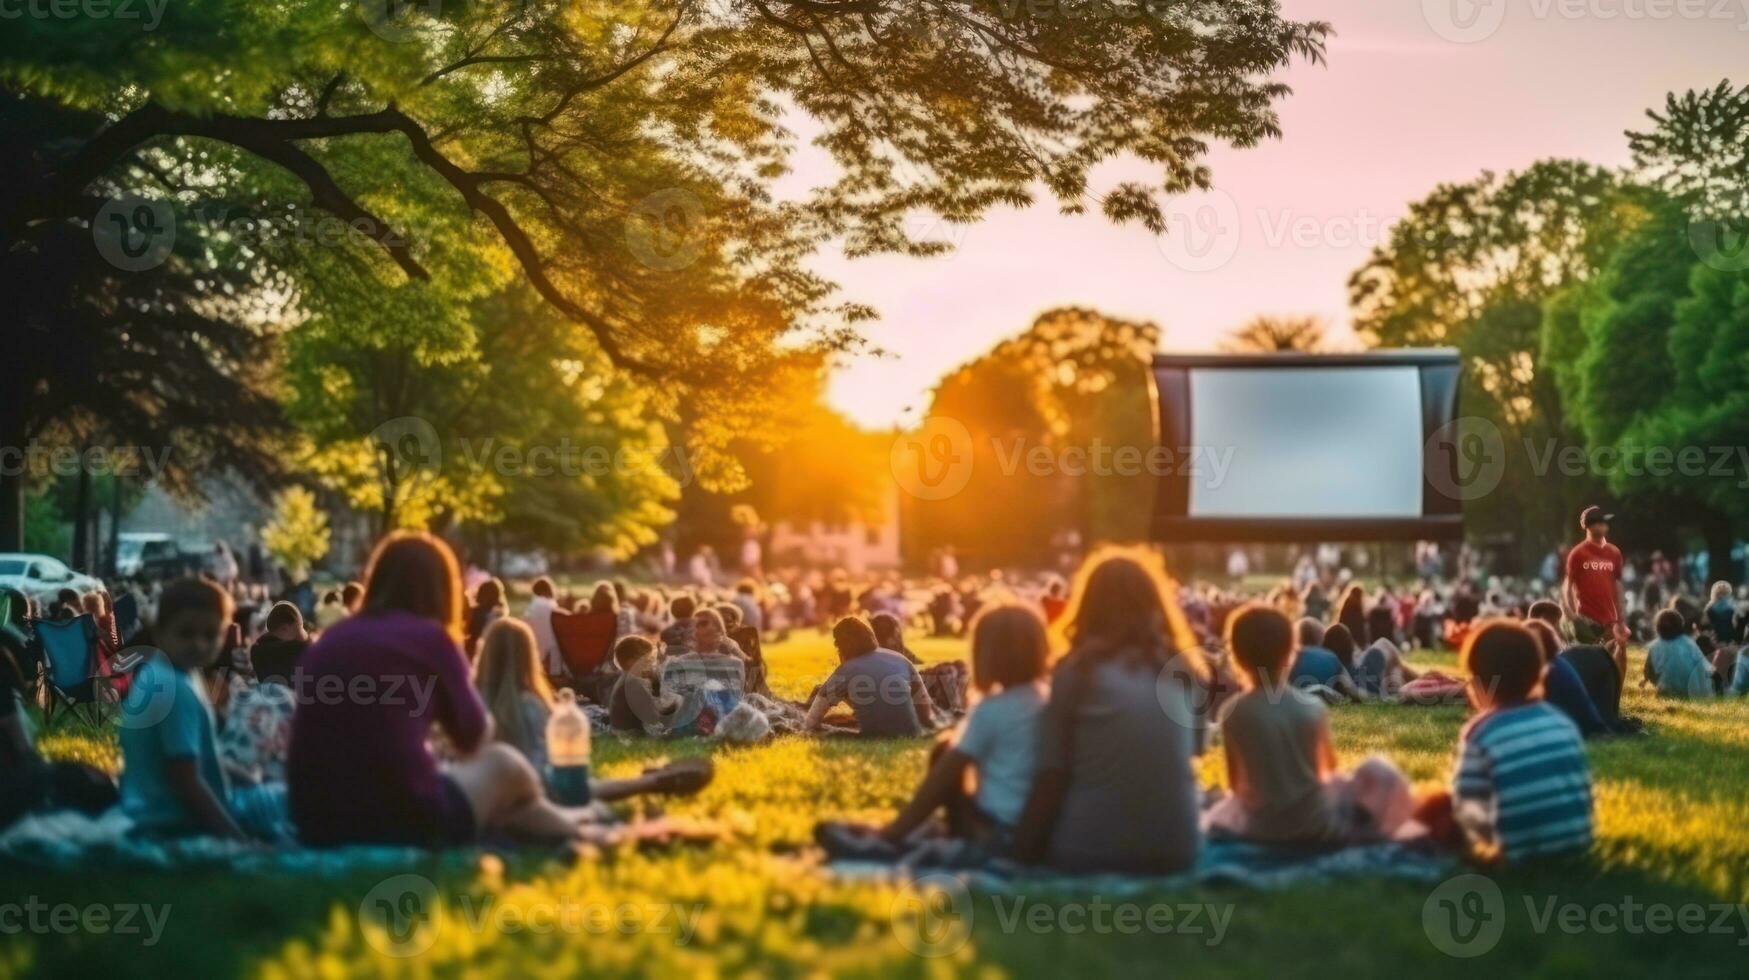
(1592,593)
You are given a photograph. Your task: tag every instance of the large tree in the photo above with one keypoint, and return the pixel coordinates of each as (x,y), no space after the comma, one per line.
(1060,424)
(1652,349)
(617,157)
(1471,266)
(1278,335)
(165,369)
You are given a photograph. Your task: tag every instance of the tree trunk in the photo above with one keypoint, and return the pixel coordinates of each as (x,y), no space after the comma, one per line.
(1719,538)
(11,509)
(12,439)
(81,559)
(114,549)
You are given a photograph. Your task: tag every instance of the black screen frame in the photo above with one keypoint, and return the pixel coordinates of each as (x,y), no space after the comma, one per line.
(1441,519)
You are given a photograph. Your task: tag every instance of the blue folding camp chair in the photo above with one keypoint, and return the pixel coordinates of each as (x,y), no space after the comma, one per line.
(70,667)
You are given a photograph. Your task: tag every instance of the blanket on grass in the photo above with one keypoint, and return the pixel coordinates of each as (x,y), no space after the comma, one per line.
(66,840)
(1239,863)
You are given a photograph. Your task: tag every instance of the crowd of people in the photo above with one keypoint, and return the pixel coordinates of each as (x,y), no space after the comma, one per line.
(403,709)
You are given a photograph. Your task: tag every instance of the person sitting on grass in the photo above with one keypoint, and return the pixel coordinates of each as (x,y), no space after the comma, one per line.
(747,601)
(1316,667)
(890,634)
(1115,789)
(710,637)
(1379,671)
(275,654)
(1721,614)
(634,702)
(1562,686)
(1674,662)
(1521,787)
(488,607)
(173,782)
(360,769)
(677,636)
(520,701)
(1596,669)
(883,689)
(539,617)
(510,680)
(998,741)
(1280,761)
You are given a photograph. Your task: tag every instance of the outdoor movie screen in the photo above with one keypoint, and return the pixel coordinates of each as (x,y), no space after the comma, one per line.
(1308,447)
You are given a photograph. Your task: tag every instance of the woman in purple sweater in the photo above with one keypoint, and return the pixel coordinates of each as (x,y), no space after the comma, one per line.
(359,770)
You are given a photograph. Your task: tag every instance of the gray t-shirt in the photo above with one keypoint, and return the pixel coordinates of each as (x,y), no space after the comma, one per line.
(1126,732)
(880,688)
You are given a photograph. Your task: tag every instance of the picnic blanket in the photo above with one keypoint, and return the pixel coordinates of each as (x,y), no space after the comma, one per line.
(66,840)
(1239,863)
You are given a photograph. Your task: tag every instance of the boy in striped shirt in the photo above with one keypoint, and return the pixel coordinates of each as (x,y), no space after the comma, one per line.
(1521,787)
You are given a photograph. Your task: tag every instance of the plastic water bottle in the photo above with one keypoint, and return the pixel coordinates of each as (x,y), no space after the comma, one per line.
(568,750)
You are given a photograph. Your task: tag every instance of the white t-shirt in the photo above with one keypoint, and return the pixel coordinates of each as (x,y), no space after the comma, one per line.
(539,617)
(1001,736)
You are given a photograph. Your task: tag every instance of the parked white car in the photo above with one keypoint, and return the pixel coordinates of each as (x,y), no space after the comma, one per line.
(42,577)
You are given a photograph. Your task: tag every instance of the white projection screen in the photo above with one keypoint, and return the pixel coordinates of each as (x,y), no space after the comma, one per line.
(1306,447)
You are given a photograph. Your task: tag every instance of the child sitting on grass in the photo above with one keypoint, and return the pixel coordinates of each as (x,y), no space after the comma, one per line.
(172,780)
(882,688)
(634,702)
(890,634)
(677,636)
(517,696)
(1280,763)
(1674,662)
(1562,685)
(511,682)
(998,740)
(1521,787)
(1319,669)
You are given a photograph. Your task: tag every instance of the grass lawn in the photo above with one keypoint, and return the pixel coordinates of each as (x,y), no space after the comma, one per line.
(1674,842)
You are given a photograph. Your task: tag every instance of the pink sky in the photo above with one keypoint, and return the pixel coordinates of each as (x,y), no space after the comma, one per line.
(1398,109)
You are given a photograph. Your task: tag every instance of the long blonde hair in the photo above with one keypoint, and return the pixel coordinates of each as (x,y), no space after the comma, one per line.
(509,667)
(1122,606)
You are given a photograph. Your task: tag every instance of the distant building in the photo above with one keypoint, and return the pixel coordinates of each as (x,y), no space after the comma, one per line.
(855,546)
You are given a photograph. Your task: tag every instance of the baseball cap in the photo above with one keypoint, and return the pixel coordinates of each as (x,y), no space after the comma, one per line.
(1594,515)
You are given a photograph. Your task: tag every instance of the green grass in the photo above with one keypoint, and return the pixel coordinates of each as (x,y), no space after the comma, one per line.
(1673,815)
